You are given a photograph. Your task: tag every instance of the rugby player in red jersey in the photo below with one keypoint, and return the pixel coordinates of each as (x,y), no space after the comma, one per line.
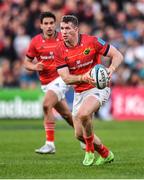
(77,54)
(42,48)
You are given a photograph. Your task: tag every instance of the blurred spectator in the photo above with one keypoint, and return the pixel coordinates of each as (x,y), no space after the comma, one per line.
(28,79)
(8,78)
(130,32)
(85,28)
(8,49)
(134,78)
(140,6)
(21,42)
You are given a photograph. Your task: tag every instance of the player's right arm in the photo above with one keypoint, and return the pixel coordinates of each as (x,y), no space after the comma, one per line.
(29,65)
(30,55)
(74,79)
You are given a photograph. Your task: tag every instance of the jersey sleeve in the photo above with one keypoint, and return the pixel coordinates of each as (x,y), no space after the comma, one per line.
(59,57)
(31,52)
(101,46)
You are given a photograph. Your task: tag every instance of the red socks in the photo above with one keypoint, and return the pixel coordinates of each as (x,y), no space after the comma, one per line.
(103,151)
(89,143)
(49,129)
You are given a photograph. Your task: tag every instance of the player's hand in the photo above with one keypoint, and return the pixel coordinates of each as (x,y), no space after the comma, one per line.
(39,66)
(87,78)
(110,71)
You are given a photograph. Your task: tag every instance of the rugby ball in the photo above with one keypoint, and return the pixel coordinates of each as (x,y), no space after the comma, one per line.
(100,75)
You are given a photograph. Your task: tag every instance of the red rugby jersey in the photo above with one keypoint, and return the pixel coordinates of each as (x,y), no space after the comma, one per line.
(81,58)
(44,51)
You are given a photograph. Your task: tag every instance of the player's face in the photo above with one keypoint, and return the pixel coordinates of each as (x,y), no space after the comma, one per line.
(48,26)
(69,31)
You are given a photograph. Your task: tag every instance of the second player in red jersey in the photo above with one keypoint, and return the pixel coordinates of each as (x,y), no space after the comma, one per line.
(42,49)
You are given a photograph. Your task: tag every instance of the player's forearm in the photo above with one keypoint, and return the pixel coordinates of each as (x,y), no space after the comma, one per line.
(116,58)
(72,79)
(116,61)
(29,65)
(67,77)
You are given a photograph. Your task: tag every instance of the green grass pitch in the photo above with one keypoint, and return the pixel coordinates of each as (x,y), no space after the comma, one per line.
(19,138)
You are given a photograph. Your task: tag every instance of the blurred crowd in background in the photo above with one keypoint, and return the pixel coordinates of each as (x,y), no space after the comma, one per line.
(120,23)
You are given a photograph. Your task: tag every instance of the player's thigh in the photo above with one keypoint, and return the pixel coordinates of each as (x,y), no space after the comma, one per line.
(50,98)
(84,104)
(90,101)
(62,107)
(89,105)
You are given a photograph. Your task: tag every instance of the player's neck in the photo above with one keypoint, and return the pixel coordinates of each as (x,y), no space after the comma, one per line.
(70,44)
(46,36)
(74,42)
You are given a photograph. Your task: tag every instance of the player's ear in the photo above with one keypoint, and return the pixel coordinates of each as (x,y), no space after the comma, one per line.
(76,29)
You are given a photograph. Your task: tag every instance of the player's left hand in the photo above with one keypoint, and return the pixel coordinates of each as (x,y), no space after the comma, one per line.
(110,71)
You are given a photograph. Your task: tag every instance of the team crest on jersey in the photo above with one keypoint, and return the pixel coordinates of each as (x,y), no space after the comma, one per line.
(87,51)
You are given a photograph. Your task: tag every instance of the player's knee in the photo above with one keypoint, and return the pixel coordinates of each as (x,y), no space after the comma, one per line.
(66,115)
(78,136)
(47,107)
(83,115)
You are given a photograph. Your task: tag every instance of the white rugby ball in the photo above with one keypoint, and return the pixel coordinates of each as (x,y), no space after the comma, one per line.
(100,75)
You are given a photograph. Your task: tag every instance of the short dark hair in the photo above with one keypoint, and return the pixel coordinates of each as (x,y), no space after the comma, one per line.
(70,18)
(47,14)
